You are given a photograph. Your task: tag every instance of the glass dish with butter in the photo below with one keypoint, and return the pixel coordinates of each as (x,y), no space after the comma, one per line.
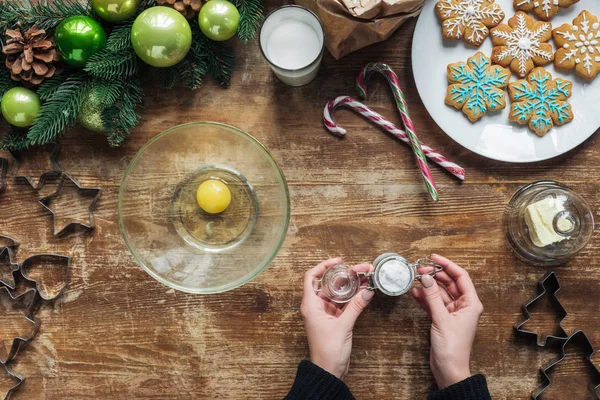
(546,223)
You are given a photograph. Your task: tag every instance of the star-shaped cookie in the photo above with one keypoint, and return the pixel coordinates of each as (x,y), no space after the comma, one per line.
(522,44)
(468,19)
(579,45)
(543,9)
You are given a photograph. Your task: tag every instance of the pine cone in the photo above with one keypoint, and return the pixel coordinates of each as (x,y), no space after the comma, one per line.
(30,55)
(189,8)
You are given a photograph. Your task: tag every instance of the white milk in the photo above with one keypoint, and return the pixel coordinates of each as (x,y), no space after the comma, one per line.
(293,45)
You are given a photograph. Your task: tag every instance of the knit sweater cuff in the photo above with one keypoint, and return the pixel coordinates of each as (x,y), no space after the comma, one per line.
(313,382)
(473,388)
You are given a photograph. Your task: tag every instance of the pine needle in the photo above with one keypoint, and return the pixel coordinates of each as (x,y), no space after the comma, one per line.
(14,139)
(109,65)
(49,86)
(60,110)
(45,14)
(122,117)
(251,15)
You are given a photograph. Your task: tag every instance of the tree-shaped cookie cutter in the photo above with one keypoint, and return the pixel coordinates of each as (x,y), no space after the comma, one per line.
(56,170)
(582,339)
(6,242)
(550,285)
(5,255)
(46,203)
(20,379)
(6,355)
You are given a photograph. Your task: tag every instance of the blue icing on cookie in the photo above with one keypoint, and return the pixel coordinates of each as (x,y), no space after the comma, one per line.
(478,85)
(538,103)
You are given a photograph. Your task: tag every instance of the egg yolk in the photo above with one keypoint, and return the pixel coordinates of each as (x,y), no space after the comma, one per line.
(213,196)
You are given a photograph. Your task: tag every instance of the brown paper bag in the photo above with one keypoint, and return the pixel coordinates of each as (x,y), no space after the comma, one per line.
(353,24)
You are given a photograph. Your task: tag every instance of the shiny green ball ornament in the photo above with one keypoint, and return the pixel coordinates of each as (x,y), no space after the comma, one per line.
(219,20)
(21,107)
(161,36)
(78,38)
(115,10)
(90,113)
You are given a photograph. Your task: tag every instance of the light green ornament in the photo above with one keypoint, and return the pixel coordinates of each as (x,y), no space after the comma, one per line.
(90,114)
(21,107)
(161,36)
(219,20)
(115,10)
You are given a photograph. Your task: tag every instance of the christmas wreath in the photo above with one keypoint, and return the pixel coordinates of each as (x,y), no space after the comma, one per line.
(68,62)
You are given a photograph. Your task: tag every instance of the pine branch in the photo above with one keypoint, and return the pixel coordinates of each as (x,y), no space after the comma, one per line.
(217,57)
(14,139)
(113,65)
(6,83)
(194,73)
(120,37)
(251,15)
(122,117)
(50,86)
(60,109)
(108,92)
(45,14)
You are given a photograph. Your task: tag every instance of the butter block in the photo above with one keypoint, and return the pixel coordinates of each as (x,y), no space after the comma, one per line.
(539,218)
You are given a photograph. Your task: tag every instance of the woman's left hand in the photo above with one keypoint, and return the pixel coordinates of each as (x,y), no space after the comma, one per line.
(329,327)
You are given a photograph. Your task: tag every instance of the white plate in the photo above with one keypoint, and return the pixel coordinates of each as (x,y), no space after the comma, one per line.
(494,136)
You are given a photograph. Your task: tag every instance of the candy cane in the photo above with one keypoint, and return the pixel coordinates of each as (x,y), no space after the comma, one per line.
(355,105)
(392,78)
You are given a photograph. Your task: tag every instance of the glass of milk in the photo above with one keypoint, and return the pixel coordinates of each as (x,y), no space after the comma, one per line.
(292,39)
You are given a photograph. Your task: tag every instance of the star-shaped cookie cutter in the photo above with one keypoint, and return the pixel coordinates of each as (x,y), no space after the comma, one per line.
(46,203)
(5,257)
(18,161)
(550,285)
(582,339)
(7,355)
(20,379)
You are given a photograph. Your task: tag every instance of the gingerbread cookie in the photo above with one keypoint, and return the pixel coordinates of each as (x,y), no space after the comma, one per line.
(543,9)
(468,19)
(522,44)
(540,101)
(477,86)
(579,45)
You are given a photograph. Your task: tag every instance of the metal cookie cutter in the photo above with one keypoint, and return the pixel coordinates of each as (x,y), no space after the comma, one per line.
(581,339)
(6,261)
(6,242)
(7,355)
(20,379)
(56,170)
(41,288)
(393,275)
(550,285)
(46,203)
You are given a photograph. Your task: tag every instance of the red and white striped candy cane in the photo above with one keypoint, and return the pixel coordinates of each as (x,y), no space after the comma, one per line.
(361,109)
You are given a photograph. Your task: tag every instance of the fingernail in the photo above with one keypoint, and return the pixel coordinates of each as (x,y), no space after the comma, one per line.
(427,281)
(434,255)
(367,295)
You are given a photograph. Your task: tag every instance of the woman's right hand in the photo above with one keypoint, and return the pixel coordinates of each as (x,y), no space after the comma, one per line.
(455,310)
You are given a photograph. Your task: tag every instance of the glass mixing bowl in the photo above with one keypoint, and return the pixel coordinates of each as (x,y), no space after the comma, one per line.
(575,210)
(178,243)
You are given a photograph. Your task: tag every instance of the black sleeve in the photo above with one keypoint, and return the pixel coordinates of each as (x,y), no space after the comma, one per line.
(473,388)
(314,383)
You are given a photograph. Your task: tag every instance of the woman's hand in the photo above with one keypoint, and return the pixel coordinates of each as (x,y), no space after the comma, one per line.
(455,310)
(329,327)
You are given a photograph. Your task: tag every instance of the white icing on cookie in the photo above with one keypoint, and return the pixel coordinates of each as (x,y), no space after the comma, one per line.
(585,39)
(469,14)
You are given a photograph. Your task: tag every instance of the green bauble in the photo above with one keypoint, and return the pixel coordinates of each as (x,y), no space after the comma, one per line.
(90,114)
(115,10)
(21,107)
(161,36)
(219,20)
(78,38)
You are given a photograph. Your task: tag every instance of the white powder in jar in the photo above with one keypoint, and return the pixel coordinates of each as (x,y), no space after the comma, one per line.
(394,276)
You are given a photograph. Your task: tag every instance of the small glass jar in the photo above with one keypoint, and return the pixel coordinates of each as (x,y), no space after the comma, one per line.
(572,223)
(392,275)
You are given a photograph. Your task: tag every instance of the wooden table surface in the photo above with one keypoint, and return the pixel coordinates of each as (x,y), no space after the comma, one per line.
(118,334)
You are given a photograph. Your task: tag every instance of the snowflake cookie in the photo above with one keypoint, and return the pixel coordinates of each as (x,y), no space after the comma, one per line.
(522,44)
(579,45)
(540,101)
(543,9)
(477,86)
(468,19)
